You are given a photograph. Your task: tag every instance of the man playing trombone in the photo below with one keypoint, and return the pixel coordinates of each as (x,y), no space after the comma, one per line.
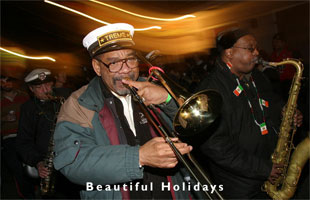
(102,138)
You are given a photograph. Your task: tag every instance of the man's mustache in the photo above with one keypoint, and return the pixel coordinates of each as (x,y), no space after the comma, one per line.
(131,77)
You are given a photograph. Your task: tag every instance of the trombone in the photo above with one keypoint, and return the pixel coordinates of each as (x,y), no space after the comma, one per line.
(196,112)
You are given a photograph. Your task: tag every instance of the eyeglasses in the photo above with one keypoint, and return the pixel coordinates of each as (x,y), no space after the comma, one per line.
(248,48)
(116,66)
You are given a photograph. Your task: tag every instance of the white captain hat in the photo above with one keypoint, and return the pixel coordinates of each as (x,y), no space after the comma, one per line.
(108,38)
(39,76)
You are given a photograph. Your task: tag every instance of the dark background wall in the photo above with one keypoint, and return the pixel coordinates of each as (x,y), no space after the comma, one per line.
(292,22)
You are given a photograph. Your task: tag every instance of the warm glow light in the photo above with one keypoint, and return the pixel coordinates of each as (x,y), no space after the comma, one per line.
(28,57)
(143,16)
(148,28)
(184,114)
(92,18)
(196,112)
(178,39)
(75,11)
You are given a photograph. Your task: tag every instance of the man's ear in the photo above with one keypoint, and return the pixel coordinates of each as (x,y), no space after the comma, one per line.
(228,53)
(96,67)
(30,88)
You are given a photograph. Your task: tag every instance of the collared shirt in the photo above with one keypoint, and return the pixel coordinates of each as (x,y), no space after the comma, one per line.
(128,111)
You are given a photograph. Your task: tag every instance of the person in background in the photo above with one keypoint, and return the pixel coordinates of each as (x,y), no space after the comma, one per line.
(63,80)
(11,100)
(102,136)
(281,52)
(286,72)
(60,79)
(37,121)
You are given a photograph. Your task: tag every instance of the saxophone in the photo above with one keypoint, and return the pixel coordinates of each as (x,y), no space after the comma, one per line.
(285,186)
(47,184)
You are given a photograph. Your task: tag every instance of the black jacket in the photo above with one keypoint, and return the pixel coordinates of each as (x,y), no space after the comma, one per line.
(37,119)
(240,156)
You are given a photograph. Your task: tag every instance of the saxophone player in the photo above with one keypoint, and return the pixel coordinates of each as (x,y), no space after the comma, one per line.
(240,149)
(37,119)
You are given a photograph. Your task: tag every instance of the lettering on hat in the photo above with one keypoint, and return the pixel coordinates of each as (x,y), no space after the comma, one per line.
(113,36)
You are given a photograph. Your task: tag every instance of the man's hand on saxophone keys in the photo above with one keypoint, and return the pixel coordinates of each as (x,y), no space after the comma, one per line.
(298,117)
(43,171)
(276,171)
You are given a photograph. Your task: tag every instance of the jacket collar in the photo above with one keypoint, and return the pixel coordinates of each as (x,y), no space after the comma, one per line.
(222,67)
(227,72)
(92,98)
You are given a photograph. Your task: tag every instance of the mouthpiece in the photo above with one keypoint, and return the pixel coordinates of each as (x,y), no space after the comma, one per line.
(59,99)
(262,62)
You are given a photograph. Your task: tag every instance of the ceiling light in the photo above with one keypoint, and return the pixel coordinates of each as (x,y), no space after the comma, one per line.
(92,18)
(28,57)
(143,16)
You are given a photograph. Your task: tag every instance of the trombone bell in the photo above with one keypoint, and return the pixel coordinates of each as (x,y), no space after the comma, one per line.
(197,113)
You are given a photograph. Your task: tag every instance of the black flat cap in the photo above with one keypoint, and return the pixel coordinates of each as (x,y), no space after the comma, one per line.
(227,39)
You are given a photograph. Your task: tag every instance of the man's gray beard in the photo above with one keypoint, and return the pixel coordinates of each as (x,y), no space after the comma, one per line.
(124,91)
